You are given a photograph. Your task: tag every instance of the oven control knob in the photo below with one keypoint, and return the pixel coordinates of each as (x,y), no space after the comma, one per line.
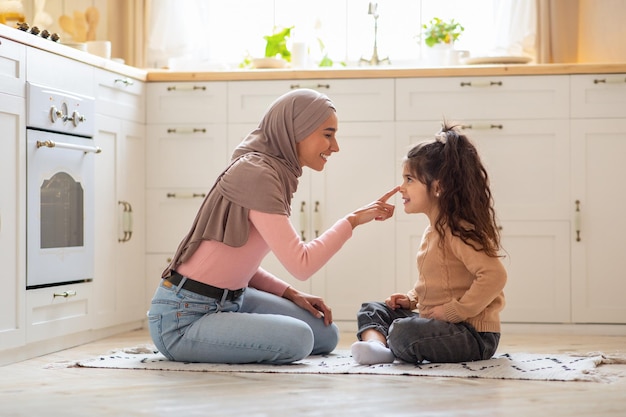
(77,118)
(55,114)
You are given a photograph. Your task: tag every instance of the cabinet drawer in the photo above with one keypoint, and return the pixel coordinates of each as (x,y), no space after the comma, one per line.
(187,156)
(509,97)
(120,96)
(355,100)
(12,67)
(186,102)
(169,216)
(57,311)
(599,95)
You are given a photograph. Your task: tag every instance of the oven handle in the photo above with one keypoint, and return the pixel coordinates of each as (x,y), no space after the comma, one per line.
(52,144)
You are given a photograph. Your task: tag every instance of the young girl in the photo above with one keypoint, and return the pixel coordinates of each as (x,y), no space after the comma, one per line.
(452,313)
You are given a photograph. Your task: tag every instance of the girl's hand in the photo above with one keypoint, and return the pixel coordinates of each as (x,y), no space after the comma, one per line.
(437,313)
(377,210)
(313,304)
(395,301)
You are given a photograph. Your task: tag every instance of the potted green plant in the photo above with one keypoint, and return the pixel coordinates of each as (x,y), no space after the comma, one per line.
(438,31)
(439,36)
(277,54)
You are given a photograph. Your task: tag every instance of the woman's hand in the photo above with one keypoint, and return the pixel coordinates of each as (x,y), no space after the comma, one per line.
(395,301)
(313,304)
(377,210)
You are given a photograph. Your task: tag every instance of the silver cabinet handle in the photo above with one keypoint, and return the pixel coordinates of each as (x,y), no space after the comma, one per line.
(303,221)
(317,219)
(482,126)
(126,81)
(577,220)
(186,130)
(481,83)
(610,80)
(65,294)
(185,195)
(186,87)
(127,221)
(311,86)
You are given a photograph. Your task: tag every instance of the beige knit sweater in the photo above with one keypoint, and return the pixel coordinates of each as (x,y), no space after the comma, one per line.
(469,284)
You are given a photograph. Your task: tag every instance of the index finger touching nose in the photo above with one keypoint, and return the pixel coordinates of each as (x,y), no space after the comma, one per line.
(387,195)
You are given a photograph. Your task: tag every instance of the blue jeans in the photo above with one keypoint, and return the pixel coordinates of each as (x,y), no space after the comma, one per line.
(256,327)
(414,339)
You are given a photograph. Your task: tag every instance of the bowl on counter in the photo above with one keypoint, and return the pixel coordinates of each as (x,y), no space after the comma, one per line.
(265,63)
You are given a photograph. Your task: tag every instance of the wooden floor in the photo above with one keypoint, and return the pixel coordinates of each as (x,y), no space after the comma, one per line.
(30,389)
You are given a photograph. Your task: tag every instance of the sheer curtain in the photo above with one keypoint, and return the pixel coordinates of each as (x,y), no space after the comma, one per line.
(223,31)
(516,27)
(176,31)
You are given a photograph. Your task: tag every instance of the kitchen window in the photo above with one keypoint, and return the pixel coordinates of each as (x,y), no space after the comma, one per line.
(220,33)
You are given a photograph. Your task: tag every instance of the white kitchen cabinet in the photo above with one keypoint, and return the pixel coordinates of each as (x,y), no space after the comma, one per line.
(12,219)
(521,130)
(12,68)
(483,98)
(187,148)
(119,281)
(598,221)
(186,102)
(355,100)
(598,96)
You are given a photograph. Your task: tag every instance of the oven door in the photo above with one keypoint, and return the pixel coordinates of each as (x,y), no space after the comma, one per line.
(60,208)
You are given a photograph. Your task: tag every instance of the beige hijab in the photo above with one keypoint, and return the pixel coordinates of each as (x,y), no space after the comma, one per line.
(263,174)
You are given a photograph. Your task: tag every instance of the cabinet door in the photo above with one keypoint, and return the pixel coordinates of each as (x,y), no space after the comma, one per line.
(12,67)
(538,269)
(12,221)
(119,280)
(355,100)
(58,311)
(186,102)
(120,96)
(598,95)
(185,155)
(599,224)
(363,170)
(499,97)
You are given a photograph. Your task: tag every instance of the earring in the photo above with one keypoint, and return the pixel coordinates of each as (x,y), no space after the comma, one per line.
(436,194)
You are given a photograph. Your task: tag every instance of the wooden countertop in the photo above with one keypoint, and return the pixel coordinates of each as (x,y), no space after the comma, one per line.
(382,72)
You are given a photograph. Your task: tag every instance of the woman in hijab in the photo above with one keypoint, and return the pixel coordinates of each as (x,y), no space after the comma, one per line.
(215,303)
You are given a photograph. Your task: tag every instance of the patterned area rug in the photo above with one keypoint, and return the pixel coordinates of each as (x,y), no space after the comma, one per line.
(503,366)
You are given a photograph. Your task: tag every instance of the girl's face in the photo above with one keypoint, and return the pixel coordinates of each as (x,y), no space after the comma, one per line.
(314,150)
(415,195)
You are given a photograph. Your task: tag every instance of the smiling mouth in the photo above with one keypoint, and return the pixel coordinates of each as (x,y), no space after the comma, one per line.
(324,157)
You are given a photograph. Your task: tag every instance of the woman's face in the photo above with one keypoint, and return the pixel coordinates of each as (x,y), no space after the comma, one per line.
(314,150)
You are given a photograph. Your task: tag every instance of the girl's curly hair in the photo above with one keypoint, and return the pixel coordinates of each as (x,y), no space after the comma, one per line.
(465,202)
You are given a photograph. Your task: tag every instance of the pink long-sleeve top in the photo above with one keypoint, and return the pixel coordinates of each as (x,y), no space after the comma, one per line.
(223,266)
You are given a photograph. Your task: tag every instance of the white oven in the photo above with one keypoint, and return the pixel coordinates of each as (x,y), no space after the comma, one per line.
(60,187)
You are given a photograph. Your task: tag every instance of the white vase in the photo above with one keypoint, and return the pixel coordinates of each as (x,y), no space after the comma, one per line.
(437,55)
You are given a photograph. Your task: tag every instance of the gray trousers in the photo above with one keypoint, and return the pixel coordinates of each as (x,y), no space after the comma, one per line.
(414,339)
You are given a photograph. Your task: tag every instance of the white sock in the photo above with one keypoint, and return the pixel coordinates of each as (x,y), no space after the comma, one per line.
(371,352)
